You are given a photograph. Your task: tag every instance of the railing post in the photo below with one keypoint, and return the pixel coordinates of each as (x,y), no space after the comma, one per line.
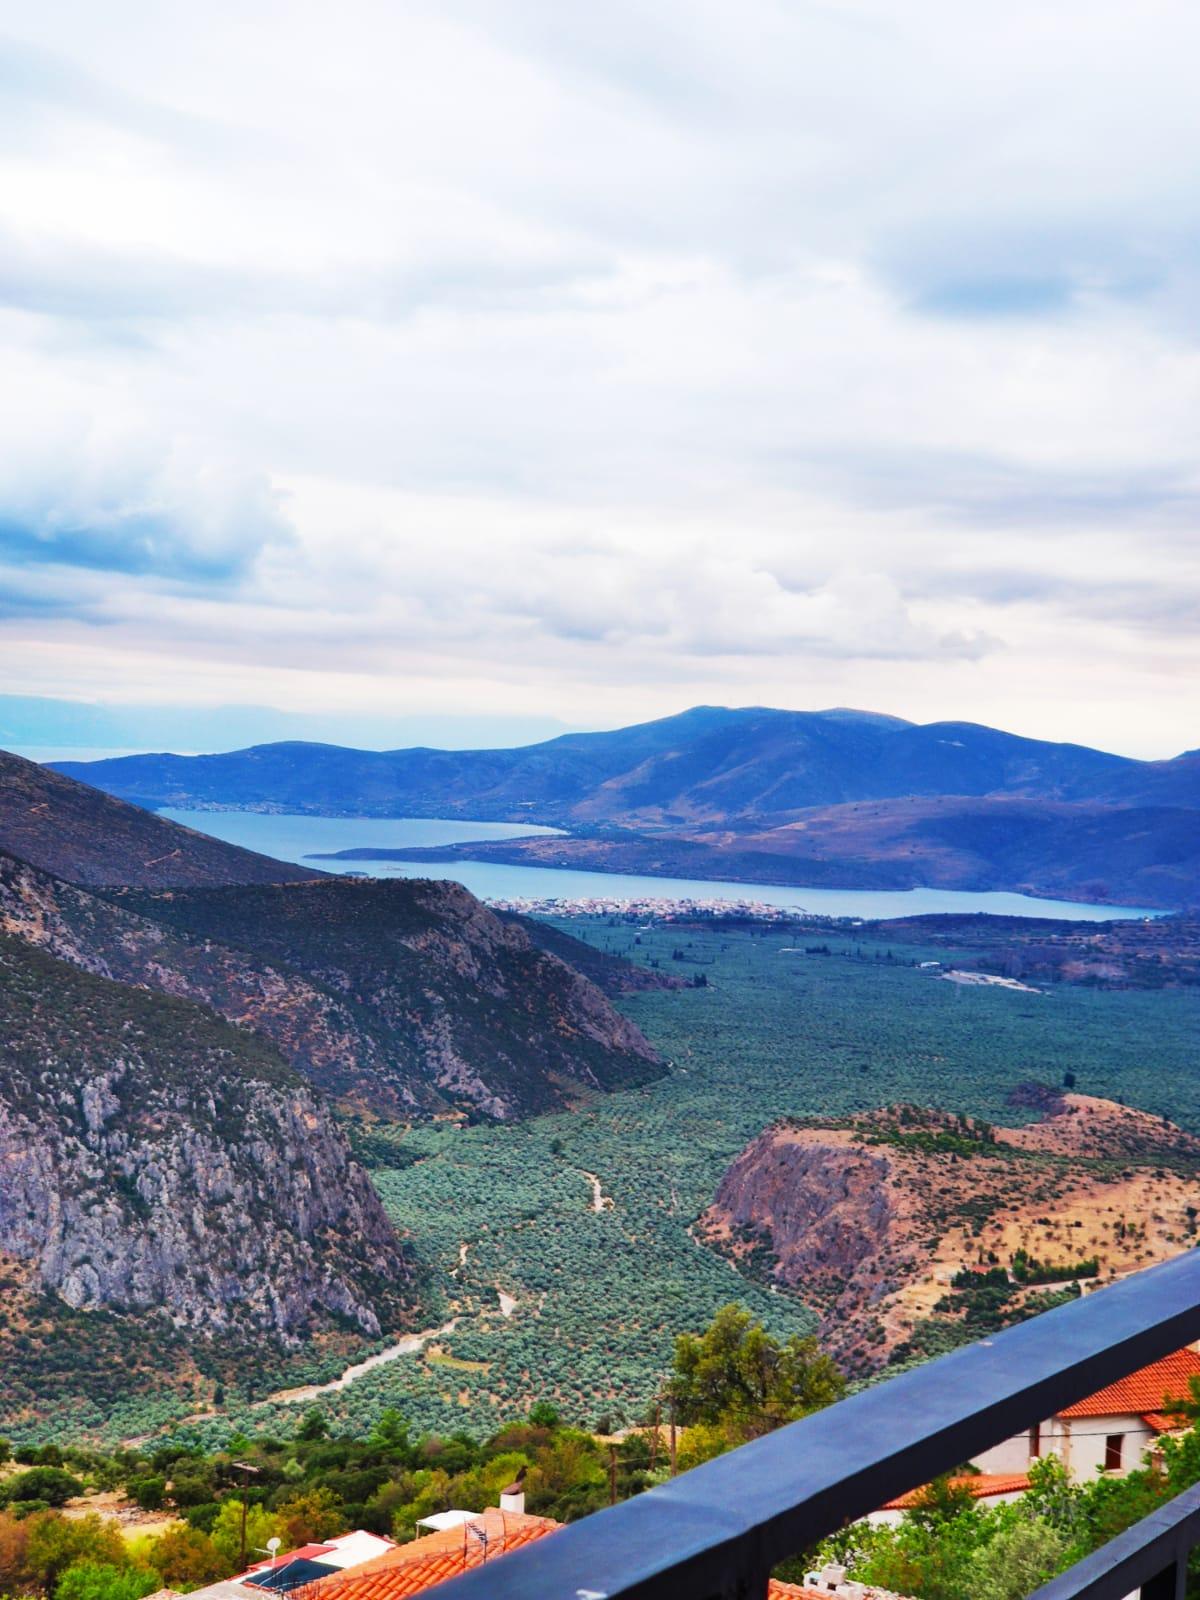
(1170,1583)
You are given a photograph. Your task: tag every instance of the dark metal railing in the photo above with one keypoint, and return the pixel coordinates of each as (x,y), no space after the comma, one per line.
(716,1532)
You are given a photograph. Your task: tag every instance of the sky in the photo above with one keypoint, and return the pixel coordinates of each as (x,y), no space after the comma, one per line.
(510,365)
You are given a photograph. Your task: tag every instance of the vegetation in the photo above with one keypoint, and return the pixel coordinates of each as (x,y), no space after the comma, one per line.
(601,1295)
(950,1548)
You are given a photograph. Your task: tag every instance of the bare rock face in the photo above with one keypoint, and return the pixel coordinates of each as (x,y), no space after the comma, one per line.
(154,1159)
(909,1224)
(400,997)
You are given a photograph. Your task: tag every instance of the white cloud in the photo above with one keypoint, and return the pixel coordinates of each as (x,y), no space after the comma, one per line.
(490,352)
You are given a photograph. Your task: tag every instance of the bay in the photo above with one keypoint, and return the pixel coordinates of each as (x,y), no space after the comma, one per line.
(295,838)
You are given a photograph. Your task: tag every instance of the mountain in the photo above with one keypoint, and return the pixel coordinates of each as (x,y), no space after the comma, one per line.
(842,798)
(160,1164)
(749,767)
(912,1230)
(85,836)
(395,997)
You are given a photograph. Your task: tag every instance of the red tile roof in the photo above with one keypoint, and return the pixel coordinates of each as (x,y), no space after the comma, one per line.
(306,1552)
(411,1568)
(1141,1394)
(980,1486)
(1162,1424)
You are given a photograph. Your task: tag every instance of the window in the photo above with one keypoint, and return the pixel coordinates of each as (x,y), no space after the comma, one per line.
(1112,1452)
(1035,1441)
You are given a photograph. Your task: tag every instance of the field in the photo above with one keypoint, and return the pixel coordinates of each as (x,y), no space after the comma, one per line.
(773,1030)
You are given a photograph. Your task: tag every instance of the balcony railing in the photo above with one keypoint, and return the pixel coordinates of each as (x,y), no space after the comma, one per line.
(716,1532)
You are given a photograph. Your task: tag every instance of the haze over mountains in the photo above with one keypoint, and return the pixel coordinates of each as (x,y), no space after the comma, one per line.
(841,797)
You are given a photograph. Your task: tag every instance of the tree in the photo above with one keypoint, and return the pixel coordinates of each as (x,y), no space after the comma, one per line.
(390,1431)
(50,1484)
(148,1491)
(227,1530)
(187,1558)
(56,1543)
(5,1451)
(14,1550)
(313,1426)
(737,1379)
(99,1580)
(309,1517)
(1018,1560)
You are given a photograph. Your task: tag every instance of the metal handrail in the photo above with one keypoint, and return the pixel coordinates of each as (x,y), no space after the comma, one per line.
(1152,1556)
(718,1530)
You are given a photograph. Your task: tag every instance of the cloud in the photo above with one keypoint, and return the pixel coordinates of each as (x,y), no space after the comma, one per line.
(495,351)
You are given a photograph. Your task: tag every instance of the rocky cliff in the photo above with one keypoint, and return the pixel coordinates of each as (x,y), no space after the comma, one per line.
(153,1158)
(394,996)
(910,1230)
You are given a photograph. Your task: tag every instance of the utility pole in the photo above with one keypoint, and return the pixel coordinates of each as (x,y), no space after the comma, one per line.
(654,1433)
(672,1404)
(246,1469)
(612,1474)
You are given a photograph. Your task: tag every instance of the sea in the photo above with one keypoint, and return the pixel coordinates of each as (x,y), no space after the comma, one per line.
(298,838)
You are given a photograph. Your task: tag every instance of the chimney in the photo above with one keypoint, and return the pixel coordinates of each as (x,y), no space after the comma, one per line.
(512,1496)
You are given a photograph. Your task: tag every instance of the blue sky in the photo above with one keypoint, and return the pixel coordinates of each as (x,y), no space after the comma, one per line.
(531,364)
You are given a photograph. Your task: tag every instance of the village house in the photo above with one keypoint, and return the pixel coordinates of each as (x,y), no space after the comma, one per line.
(1108,1432)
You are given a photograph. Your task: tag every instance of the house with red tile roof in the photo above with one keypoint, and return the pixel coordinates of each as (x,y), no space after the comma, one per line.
(986,1488)
(409,1569)
(1109,1431)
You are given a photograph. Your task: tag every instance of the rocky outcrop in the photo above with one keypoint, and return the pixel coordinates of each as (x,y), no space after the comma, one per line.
(397,997)
(909,1229)
(153,1159)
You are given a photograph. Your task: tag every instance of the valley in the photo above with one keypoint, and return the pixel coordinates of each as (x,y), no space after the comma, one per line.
(504,1214)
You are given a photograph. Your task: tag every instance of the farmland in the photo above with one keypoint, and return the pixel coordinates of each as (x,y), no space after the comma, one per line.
(772,1031)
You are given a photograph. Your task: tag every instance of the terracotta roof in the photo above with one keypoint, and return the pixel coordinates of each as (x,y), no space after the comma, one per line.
(980,1486)
(798,1591)
(411,1568)
(306,1552)
(1142,1393)
(1155,1420)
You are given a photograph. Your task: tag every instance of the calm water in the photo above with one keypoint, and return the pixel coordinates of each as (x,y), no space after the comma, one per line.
(294,838)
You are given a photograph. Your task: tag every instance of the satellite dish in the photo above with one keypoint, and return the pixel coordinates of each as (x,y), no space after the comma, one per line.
(273,1544)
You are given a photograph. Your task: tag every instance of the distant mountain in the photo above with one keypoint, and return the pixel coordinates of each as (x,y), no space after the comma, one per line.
(83,835)
(158,1163)
(738,768)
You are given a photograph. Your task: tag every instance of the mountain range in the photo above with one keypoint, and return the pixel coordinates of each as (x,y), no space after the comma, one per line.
(840,798)
(184,1027)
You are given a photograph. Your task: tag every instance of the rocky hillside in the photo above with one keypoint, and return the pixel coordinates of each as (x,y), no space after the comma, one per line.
(394,997)
(160,1163)
(912,1230)
(85,836)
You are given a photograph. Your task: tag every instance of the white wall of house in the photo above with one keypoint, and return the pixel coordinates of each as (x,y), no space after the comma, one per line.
(1085,1445)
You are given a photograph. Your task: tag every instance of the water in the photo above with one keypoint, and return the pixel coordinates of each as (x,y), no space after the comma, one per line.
(297,838)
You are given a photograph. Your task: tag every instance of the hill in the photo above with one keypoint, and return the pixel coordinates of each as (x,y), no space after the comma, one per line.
(708,765)
(401,997)
(832,798)
(138,1134)
(912,1230)
(86,836)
